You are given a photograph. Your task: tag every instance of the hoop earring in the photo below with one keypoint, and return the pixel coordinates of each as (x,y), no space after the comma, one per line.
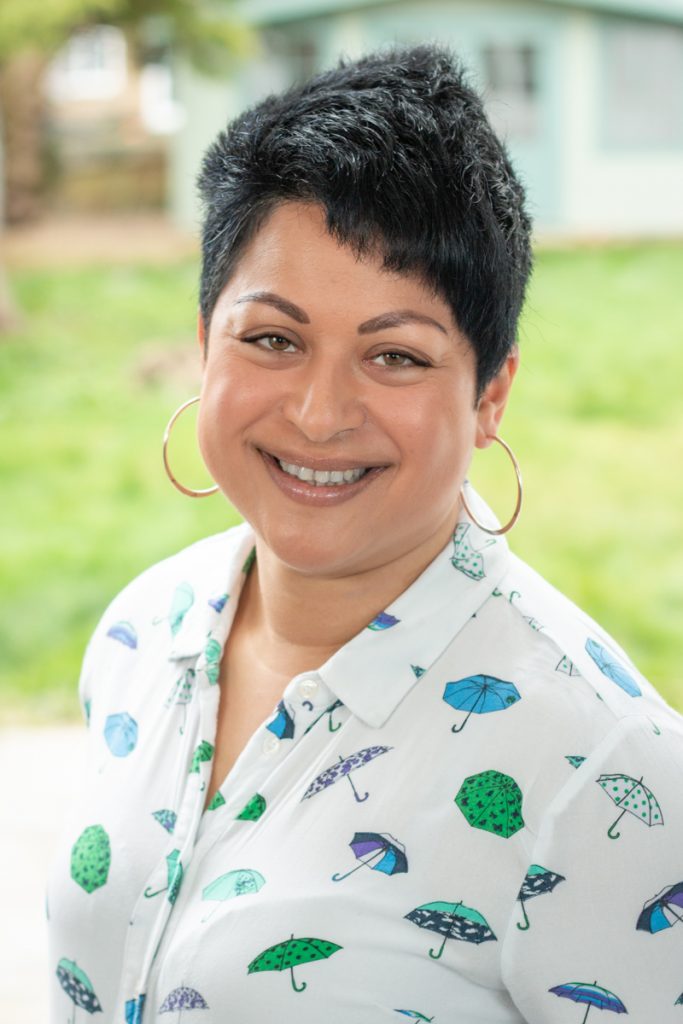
(518,506)
(167,433)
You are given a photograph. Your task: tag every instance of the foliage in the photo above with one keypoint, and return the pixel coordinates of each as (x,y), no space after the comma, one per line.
(596,419)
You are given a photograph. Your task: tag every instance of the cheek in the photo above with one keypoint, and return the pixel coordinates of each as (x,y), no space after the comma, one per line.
(230,401)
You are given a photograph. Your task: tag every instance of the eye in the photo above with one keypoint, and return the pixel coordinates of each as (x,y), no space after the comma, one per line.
(399,359)
(270,342)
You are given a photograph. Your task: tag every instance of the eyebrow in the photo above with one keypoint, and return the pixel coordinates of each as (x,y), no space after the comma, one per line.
(383,322)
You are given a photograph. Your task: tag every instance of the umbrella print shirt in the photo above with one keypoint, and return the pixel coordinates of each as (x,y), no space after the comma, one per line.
(472,813)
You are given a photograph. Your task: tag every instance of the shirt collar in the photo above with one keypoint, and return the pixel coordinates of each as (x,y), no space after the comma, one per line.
(373,672)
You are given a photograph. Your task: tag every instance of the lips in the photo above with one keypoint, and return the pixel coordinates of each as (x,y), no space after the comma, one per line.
(318,494)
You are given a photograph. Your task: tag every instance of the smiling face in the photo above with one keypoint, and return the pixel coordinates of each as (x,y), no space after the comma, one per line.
(321,363)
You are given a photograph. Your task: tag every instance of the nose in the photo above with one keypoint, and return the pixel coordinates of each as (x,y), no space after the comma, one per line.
(324,400)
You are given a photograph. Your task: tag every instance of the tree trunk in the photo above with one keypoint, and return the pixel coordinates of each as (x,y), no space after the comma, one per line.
(22,105)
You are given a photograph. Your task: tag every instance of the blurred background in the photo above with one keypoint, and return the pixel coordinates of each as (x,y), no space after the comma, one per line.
(105,110)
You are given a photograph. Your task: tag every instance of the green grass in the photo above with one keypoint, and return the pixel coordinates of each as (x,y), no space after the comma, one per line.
(596,420)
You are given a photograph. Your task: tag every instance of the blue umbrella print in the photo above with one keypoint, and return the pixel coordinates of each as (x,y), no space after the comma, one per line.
(481,695)
(125,633)
(663,911)
(121,734)
(134,1008)
(415,1014)
(387,853)
(183,998)
(383,621)
(592,995)
(341,770)
(218,603)
(613,669)
(282,725)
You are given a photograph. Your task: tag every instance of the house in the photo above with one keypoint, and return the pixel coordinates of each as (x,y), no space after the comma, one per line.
(588,95)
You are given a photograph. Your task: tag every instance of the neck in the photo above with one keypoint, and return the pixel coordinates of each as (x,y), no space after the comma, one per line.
(296,622)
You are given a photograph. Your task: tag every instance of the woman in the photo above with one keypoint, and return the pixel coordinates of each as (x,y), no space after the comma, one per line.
(336,751)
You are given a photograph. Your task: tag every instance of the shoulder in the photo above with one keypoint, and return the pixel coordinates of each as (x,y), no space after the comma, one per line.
(148,613)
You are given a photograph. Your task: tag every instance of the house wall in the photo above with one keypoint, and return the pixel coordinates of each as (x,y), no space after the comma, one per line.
(610,190)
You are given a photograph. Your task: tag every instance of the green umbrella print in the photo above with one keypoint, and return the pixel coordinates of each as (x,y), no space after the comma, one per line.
(216,801)
(78,987)
(453,921)
(492,801)
(91,858)
(174,875)
(240,882)
(537,881)
(202,754)
(631,795)
(212,657)
(290,954)
(253,809)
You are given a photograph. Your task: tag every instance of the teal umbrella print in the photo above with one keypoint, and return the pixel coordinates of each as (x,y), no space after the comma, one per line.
(592,995)
(480,695)
(467,559)
(182,601)
(183,998)
(631,795)
(492,801)
(612,668)
(342,769)
(240,882)
(379,851)
(212,657)
(174,875)
(78,987)
(538,880)
(414,1014)
(166,818)
(453,921)
(121,734)
(182,693)
(292,953)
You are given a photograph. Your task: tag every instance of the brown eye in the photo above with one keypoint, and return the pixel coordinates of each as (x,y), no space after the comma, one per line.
(270,342)
(398,359)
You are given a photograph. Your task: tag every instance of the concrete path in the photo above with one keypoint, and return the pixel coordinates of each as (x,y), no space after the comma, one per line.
(40,771)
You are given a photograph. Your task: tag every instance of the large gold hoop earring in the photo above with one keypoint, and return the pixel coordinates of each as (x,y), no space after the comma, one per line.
(167,433)
(518,507)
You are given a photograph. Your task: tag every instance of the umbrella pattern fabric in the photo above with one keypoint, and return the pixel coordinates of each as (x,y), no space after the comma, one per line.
(290,954)
(481,695)
(538,880)
(240,882)
(249,881)
(342,769)
(125,633)
(633,797)
(492,801)
(121,734)
(662,911)
(77,986)
(91,858)
(378,851)
(590,995)
(453,921)
(466,558)
(613,668)
(183,998)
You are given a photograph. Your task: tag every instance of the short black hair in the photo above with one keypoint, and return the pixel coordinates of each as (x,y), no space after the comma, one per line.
(397,148)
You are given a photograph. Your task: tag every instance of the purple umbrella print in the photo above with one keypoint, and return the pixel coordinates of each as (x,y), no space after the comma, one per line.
(593,995)
(183,998)
(341,770)
(663,911)
(382,852)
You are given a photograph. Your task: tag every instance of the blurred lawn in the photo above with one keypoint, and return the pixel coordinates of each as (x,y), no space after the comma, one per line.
(105,355)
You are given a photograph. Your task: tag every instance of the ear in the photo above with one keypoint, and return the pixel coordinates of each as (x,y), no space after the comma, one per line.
(492,403)
(200,334)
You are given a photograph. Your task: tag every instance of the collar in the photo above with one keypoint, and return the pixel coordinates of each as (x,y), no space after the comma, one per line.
(373,672)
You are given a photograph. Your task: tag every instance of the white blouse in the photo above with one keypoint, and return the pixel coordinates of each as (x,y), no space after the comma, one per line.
(472,812)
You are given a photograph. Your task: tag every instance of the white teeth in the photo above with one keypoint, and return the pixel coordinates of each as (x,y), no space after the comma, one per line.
(323,477)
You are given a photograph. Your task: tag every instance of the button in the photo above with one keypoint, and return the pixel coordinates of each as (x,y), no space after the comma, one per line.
(308,688)
(271,744)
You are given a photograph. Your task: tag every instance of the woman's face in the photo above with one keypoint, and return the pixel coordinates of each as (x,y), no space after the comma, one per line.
(328,363)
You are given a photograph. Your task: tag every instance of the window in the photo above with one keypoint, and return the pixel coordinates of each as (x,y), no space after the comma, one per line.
(511,89)
(643,85)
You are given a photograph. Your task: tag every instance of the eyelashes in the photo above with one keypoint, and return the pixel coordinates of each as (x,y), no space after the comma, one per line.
(412,360)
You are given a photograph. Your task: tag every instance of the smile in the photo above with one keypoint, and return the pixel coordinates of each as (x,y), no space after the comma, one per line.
(330,484)
(324,477)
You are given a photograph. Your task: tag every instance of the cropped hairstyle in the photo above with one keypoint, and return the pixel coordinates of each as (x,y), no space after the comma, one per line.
(397,148)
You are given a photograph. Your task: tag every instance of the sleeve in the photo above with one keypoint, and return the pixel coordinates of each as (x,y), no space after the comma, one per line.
(598,920)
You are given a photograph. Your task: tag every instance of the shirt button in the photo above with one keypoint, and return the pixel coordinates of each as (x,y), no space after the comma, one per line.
(270,744)
(308,688)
